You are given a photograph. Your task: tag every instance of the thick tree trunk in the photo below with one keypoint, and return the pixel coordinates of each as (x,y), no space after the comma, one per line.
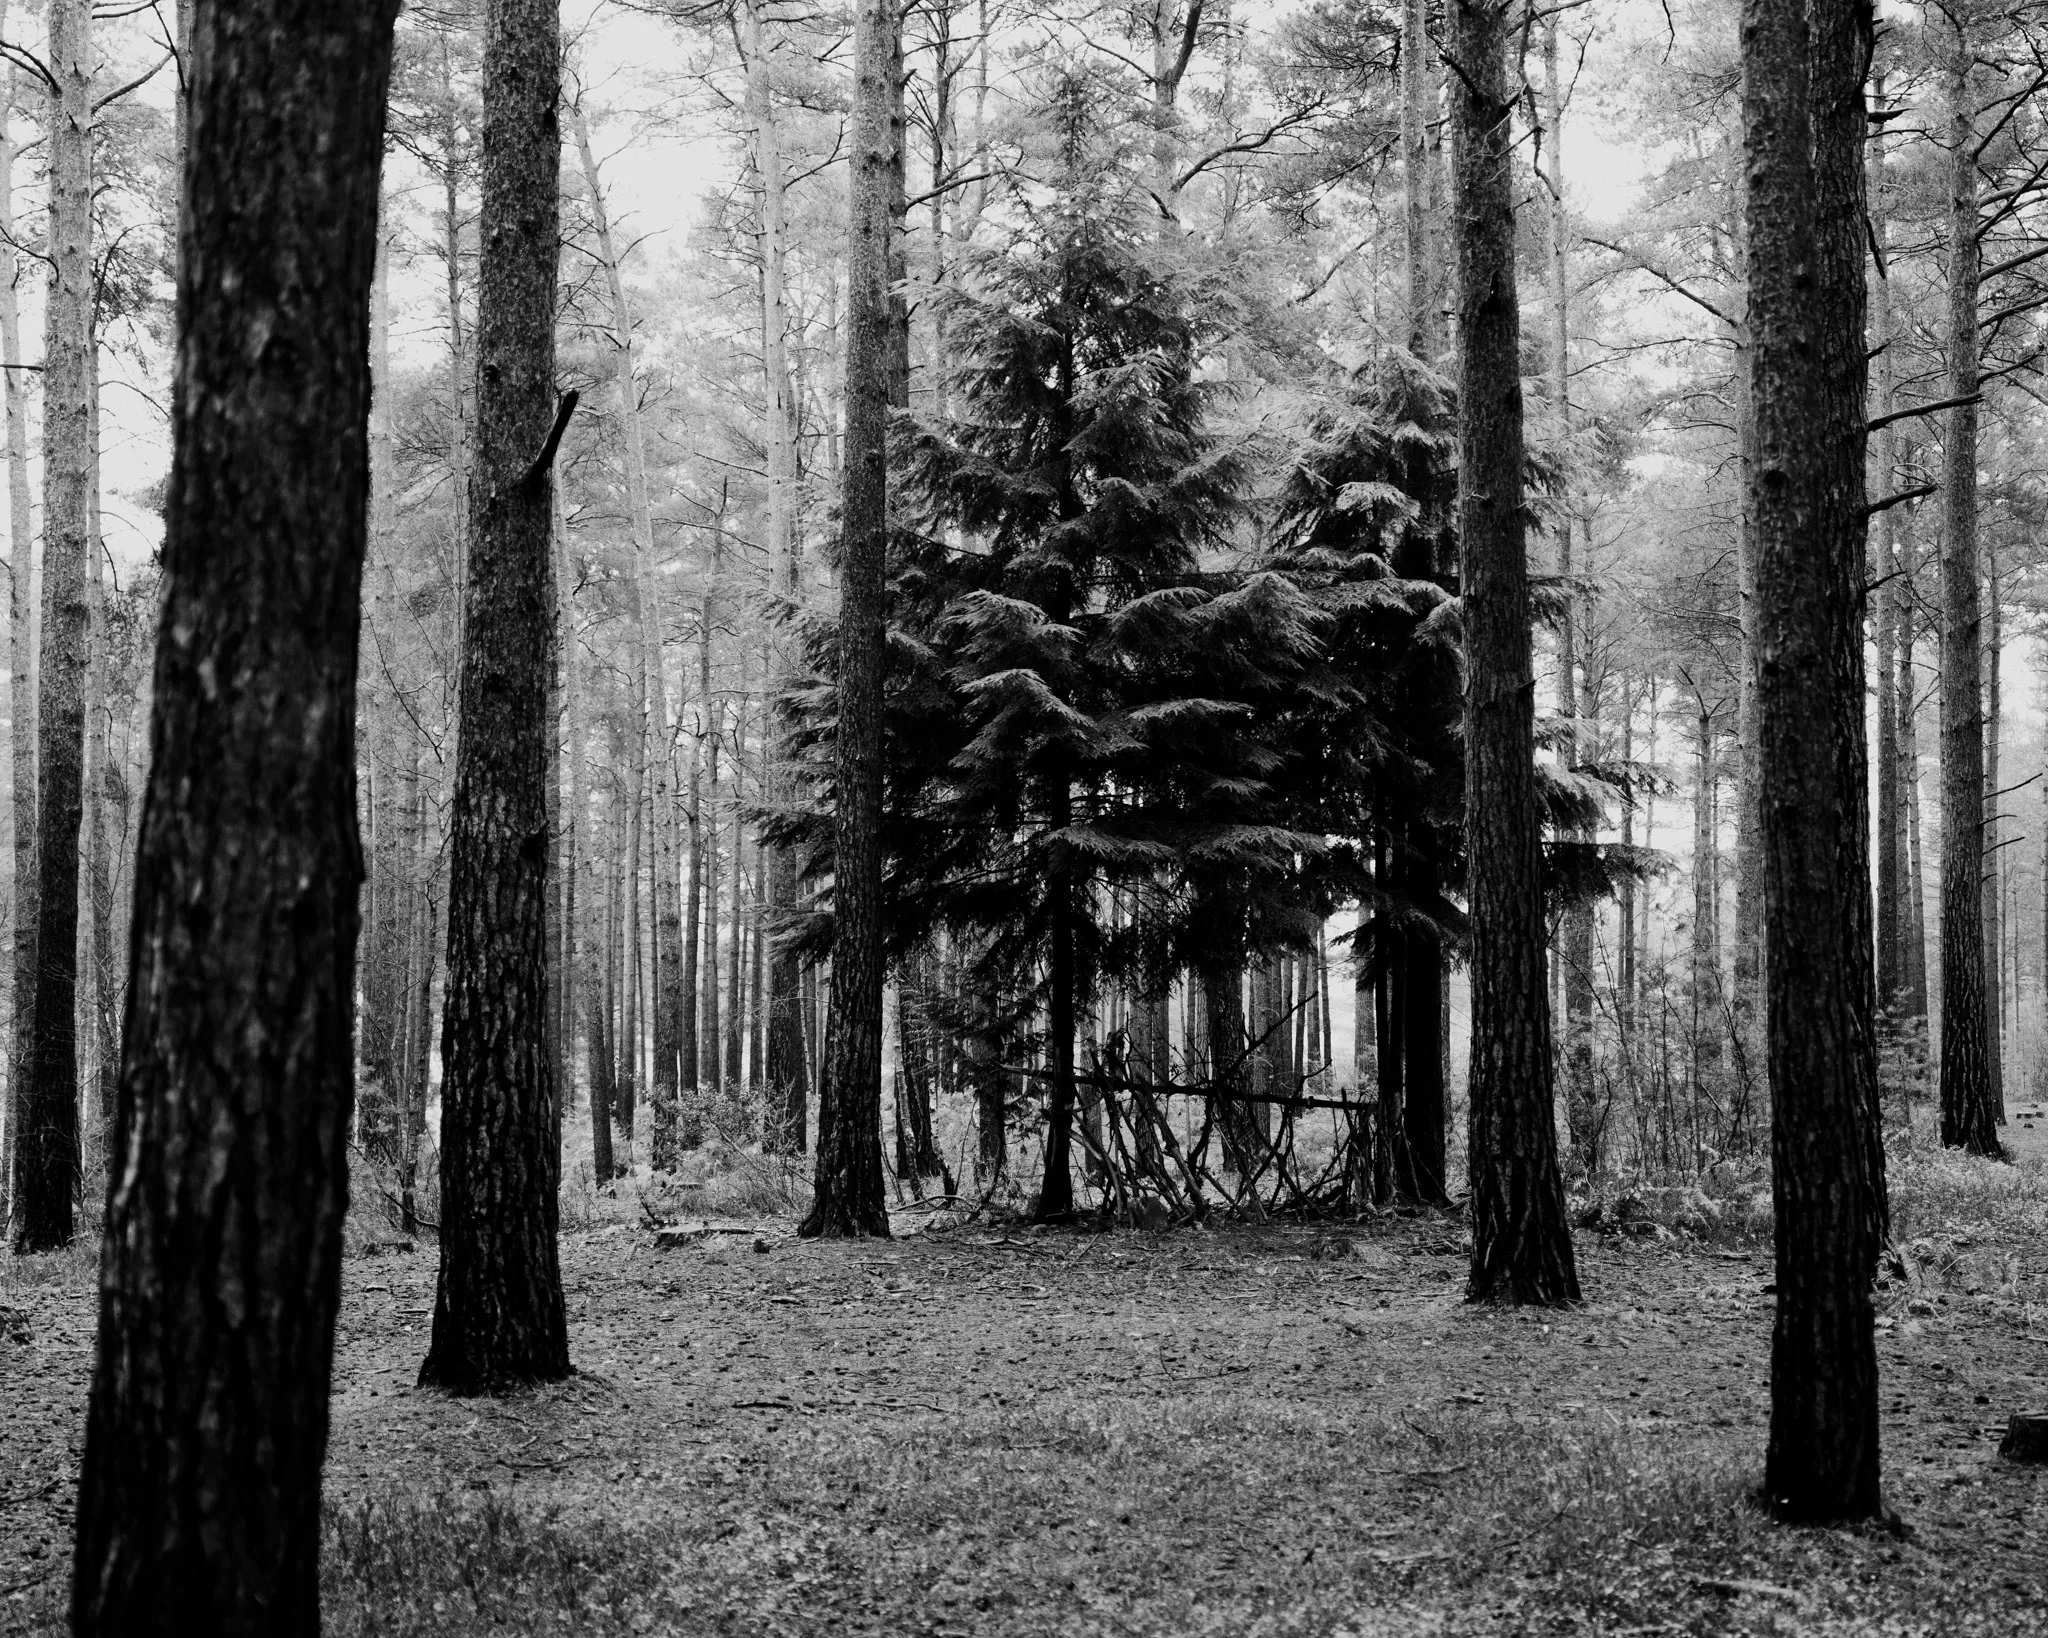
(1521,1247)
(1969,1112)
(1804,129)
(199,1500)
(499,1319)
(847,1197)
(46,1148)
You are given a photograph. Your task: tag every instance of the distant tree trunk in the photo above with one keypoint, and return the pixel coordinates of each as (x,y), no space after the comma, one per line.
(1994,861)
(1707,1023)
(576,849)
(499,1319)
(199,1498)
(1522,1249)
(46,1148)
(785,1083)
(1891,876)
(626,1098)
(1803,133)
(1419,77)
(650,682)
(1577,929)
(848,1192)
(1969,1111)
(1914,1003)
(21,651)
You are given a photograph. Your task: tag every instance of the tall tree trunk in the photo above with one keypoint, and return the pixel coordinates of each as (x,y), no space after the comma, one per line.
(499,1319)
(1969,1112)
(1994,862)
(575,850)
(1419,78)
(46,1149)
(785,1083)
(847,1197)
(1891,922)
(625,1103)
(1521,1245)
(1803,134)
(20,967)
(199,1498)
(650,681)
(1914,1004)
(1707,1022)
(1578,918)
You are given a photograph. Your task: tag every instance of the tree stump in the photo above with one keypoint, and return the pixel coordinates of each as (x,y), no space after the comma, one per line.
(2026,1437)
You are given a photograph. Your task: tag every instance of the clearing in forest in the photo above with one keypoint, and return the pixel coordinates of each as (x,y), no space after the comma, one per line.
(980,1429)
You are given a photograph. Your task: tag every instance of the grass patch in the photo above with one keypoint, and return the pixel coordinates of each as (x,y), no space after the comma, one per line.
(1231,1514)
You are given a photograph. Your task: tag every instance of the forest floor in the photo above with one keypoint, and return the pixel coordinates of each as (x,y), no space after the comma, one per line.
(978,1429)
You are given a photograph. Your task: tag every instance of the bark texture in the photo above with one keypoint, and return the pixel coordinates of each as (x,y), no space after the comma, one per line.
(1521,1247)
(199,1504)
(498,1315)
(847,1196)
(1803,134)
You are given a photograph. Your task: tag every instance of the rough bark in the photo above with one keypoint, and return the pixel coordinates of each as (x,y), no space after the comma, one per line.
(46,1147)
(1803,134)
(1969,1113)
(1521,1248)
(199,1501)
(847,1195)
(499,1319)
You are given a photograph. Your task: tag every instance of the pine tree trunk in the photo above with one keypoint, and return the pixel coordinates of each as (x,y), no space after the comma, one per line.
(1804,130)
(847,1196)
(46,1148)
(199,1500)
(1994,861)
(626,1095)
(1707,1023)
(1914,1005)
(576,849)
(20,966)
(1522,1249)
(785,1081)
(1891,922)
(650,682)
(1969,1114)
(499,1319)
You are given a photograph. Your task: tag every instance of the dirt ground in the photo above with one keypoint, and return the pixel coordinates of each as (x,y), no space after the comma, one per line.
(980,1429)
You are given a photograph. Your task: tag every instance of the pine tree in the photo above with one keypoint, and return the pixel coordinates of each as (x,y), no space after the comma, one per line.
(199,1502)
(499,1318)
